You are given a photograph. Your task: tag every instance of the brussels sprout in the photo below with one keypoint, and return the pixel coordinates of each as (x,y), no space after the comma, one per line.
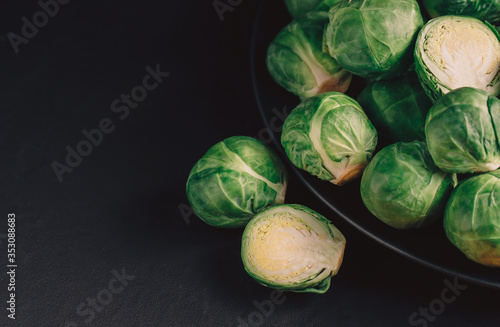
(292,248)
(234,180)
(330,137)
(296,61)
(403,188)
(299,8)
(483,9)
(374,39)
(463,131)
(472,218)
(397,107)
(453,52)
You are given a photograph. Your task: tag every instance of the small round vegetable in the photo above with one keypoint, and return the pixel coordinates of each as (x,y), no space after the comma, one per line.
(330,137)
(455,51)
(403,188)
(397,108)
(472,218)
(463,131)
(234,180)
(483,9)
(292,248)
(296,61)
(374,38)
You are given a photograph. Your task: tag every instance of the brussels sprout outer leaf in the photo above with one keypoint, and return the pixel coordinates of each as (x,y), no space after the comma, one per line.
(296,61)
(397,107)
(462,131)
(403,188)
(292,248)
(330,137)
(234,180)
(472,220)
(482,9)
(374,39)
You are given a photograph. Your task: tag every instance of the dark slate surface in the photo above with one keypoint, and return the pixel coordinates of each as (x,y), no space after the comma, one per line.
(112,229)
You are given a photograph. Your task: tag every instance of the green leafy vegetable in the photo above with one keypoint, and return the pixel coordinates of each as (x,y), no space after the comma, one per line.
(374,38)
(296,61)
(403,188)
(397,107)
(463,131)
(483,9)
(234,180)
(472,218)
(330,137)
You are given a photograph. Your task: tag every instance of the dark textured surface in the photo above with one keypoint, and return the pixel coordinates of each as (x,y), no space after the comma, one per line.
(119,209)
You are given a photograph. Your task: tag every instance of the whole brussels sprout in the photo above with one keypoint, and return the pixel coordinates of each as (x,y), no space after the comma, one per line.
(455,51)
(403,188)
(299,8)
(330,137)
(463,131)
(482,9)
(472,218)
(397,107)
(374,38)
(292,248)
(234,180)
(296,61)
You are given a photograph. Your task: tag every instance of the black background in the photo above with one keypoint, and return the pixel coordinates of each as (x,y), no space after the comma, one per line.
(121,208)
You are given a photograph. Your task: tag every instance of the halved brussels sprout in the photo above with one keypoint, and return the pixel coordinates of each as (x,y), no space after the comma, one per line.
(482,9)
(234,180)
(456,51)
(374,38)
(403,188)
(292,248)
(463,131)
(472,218)
(330,137)
(397,108)
(296,61)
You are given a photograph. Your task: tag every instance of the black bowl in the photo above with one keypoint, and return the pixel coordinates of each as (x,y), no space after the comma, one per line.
(428,246)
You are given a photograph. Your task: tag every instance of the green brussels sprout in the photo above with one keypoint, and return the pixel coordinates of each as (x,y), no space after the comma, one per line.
(397,108)
(330,137)
(463,131)
(299,8)
(482,9)
(234,180)
(374,38)
(403,188)
(472,219)
(292,248)
(296,61)
(455,51)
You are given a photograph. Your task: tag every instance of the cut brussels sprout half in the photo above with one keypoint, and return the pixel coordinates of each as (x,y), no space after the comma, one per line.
(397,108)
(455,51)
(234,180)
(462,131)
(296,61)
(403,188)
(292,248)
(472,218)
(330,137)
(374,38)
(483,9)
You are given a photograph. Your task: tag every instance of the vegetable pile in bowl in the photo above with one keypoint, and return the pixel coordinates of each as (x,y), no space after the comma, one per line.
(423,135)
(424,132)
